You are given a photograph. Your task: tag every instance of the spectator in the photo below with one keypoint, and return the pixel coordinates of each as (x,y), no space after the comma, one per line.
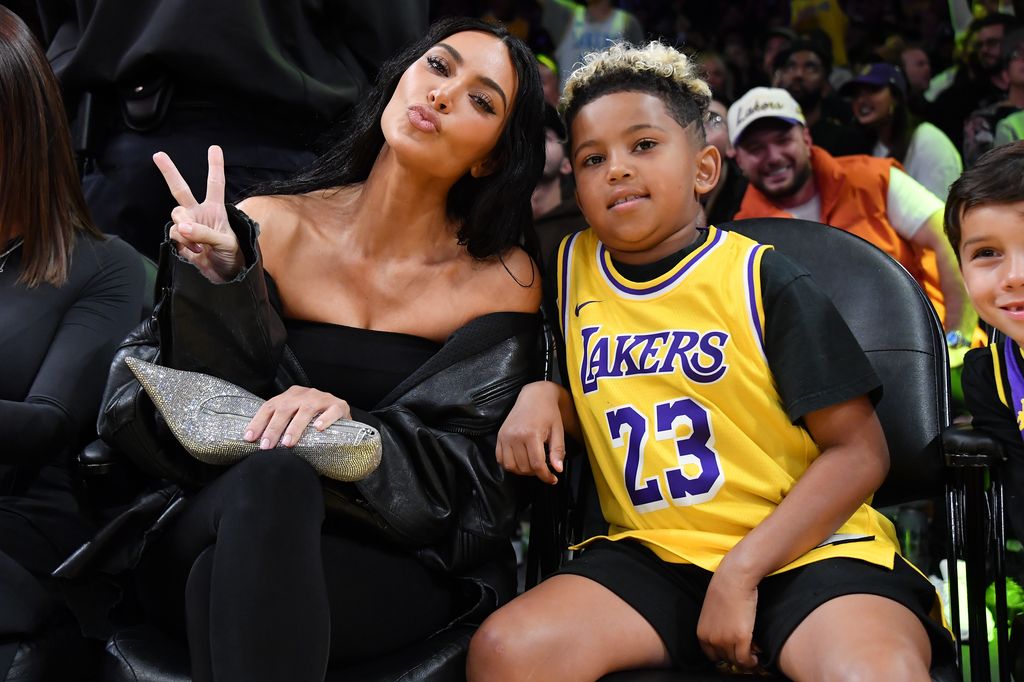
(721,203)
(803,72)
(554,214)
(717,75)
(262,79)
(977,83)
(917,68)
(826,16)
(879,95)
(68,295)
(982,126)
(400,245)
(578,29)
(549,79)
(871,198)
(1010,129)
(777,40)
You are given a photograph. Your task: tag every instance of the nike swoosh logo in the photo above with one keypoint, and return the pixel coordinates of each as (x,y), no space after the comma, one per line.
(581,306)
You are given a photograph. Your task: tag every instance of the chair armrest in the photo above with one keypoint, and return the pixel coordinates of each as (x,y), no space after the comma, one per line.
(964,446)
(96,459)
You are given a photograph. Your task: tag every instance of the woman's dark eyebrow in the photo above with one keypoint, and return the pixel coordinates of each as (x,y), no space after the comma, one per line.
(483,79)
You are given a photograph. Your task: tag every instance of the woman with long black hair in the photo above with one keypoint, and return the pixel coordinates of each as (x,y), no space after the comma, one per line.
(879,100)
(392,269)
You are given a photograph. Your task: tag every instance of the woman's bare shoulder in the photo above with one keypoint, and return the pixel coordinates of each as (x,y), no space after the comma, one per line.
(514,282)
(280,218)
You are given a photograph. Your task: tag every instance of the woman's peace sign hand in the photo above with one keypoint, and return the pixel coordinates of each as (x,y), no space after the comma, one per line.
(201,230)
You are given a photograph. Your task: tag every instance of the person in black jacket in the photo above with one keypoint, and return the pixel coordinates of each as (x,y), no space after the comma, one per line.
(67,296)
(262,78)
(392,269)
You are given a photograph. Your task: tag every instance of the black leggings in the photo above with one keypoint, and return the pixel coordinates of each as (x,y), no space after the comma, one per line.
(266,595)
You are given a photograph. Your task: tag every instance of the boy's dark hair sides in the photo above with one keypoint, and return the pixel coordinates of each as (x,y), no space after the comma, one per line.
(654,69)
(997,178)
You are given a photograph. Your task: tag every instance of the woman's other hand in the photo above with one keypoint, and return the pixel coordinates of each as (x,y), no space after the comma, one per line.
(201,231)
(283,419)
(534,421)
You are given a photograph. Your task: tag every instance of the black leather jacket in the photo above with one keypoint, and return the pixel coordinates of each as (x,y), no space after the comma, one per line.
(439,490)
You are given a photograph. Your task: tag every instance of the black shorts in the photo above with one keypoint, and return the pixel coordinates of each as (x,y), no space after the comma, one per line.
(669,596)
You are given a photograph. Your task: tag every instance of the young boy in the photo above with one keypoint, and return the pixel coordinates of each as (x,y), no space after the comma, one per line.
(985,225)
(724,405)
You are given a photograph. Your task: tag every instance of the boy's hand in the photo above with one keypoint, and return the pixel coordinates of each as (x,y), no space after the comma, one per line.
(726,625)
(533,422)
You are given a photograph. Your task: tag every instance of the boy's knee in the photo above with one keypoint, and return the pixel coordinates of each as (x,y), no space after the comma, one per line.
(881,663)
(499,648)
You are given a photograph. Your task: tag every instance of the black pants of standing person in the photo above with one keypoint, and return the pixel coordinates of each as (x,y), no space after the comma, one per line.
(127,195)
(267,595)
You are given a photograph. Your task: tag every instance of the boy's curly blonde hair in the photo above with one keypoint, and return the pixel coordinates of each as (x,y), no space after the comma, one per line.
(654,58)
(654,68)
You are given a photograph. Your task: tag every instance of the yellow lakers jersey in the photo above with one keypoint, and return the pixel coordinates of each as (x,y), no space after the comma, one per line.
(687,436)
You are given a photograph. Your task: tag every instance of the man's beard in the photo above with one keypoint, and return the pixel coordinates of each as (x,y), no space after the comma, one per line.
(807,99)
(800,178)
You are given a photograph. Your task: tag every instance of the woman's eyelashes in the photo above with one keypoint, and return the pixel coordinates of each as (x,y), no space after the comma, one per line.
(439,64)
(481,100)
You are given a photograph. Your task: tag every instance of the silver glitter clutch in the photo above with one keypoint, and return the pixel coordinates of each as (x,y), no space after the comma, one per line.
(207,415)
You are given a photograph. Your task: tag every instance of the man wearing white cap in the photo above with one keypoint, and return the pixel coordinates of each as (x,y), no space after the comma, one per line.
(870,197)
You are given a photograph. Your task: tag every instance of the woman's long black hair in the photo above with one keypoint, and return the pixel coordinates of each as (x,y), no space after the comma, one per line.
(493,212)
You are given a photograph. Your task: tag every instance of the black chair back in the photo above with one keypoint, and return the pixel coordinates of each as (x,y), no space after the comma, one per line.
(896,326)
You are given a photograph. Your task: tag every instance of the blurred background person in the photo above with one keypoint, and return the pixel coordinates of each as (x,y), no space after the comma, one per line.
(879,103)
(555,211)
(979,80)
(68,295)
(917,68)
(579,28)
(803,71)
(717,75)
(982,125)
(721,203)
(262,79)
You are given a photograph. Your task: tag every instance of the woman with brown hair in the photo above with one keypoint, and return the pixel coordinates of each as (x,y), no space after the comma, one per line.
(67,297)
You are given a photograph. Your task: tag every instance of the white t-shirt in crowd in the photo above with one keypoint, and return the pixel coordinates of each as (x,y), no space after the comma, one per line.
(932,159)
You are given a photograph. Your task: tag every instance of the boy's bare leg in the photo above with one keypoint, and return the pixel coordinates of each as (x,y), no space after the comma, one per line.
(567,628)
(858,637)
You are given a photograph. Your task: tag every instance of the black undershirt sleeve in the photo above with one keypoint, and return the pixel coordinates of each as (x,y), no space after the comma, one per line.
(813,355)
